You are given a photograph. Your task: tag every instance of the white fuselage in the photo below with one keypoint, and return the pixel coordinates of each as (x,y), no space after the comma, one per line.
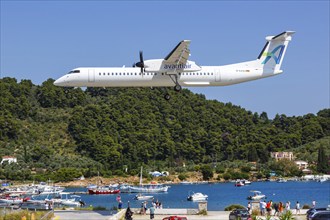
(132,77)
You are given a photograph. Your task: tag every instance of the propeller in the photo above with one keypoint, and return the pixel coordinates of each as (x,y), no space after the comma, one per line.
(141,63)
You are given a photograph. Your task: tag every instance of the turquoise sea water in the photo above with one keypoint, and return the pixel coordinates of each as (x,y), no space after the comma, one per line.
(222,195)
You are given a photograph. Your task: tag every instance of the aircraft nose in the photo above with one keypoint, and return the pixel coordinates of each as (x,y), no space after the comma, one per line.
(60,82)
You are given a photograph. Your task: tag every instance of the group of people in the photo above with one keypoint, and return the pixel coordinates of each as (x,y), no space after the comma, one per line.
(279,208)
(154,205)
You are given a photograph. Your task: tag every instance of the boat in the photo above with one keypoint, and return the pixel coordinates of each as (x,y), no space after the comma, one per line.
(246,182)
(281,180)
(103,190)
(186,183)
(239,183)
(322,179)
(142,197)
(145,188)
(68,200)
(197,197)
(256,195)
(11,200)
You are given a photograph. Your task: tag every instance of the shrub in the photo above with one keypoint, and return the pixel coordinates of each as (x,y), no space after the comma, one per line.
(99,208)
(306,206)
(182,176)
(287,216)
(220,169)
(226,176)
(202,212)
(234,206)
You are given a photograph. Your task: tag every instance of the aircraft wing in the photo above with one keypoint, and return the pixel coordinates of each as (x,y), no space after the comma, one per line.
(180,54)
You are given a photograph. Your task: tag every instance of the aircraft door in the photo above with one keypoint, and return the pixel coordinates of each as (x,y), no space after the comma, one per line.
(91,75)
(217,75)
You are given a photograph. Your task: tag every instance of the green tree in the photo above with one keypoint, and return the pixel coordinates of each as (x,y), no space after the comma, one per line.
(207,172)
(322,161)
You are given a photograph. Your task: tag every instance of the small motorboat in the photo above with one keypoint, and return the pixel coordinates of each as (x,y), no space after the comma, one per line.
(197,197)
(142,197)
(281,180)
(239,183)
(256,195)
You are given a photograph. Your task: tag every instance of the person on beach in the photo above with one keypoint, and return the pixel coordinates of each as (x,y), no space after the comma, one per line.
(263,205)
(287,206)
(152,212)
(128,214)
(313,204)
(269,207)
(142,211)
(276,209)
(249,207)
(297,208)
(280,207)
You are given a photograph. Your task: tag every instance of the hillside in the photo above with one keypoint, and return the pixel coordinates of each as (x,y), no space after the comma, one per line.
(66,131)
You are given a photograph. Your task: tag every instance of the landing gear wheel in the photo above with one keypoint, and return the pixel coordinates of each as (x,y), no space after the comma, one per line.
(167,96)
(177,88)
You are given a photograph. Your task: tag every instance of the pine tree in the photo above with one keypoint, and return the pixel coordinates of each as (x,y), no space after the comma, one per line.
(322,162)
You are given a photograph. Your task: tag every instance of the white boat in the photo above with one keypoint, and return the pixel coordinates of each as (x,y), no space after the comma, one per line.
(186,183)
(239,183)
(143,197)
(256,195)
(197,197)
(247,182)
(11,200)
(145,188)
(322,179)
(65,199)
(281,180)
(70,200)
(148,188)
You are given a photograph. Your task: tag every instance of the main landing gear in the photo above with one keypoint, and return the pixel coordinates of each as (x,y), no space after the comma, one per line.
(176,88)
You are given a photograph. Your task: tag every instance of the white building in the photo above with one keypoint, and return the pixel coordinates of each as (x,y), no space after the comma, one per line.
(10,159)
(281,155)
(301,164)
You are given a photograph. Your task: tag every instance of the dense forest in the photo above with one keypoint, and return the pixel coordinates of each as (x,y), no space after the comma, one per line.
(67,131)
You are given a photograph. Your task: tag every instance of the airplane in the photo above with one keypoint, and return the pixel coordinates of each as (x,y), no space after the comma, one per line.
(177,71)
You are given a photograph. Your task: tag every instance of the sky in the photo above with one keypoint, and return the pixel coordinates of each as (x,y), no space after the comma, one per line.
(46,39)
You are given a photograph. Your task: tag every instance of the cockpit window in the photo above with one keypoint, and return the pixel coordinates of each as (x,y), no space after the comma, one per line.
(74,71)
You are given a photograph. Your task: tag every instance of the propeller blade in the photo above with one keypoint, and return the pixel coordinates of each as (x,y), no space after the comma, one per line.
(141,56)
